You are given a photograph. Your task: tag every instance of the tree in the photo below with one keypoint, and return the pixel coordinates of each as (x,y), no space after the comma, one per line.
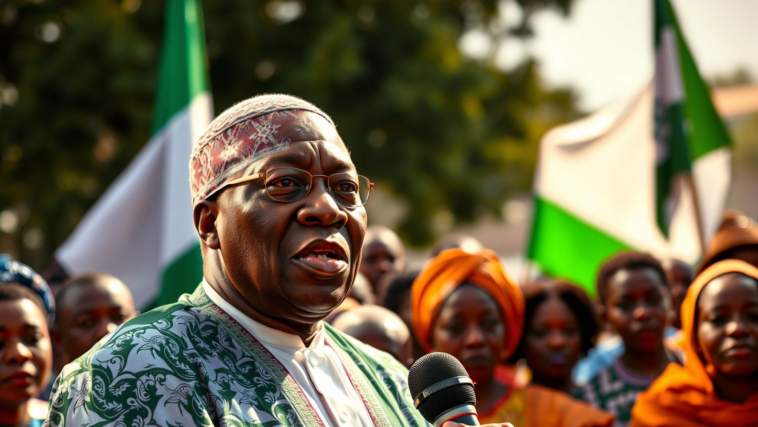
(441,131)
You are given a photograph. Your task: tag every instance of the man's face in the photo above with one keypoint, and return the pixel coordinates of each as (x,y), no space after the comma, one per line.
(679,276)
(293,261)
(88,312)
(381,257)
(637,304)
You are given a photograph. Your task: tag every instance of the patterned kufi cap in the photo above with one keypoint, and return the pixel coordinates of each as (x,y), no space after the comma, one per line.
(238,137)
(13,272)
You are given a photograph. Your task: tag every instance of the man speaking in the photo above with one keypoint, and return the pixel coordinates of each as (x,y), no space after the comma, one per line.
(278,207)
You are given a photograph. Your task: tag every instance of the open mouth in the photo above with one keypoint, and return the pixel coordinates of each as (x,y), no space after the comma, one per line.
(324,258)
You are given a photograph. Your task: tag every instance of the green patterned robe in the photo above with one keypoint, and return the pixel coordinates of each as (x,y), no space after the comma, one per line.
(191,364)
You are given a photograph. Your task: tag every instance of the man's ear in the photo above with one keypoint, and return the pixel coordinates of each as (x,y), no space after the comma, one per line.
(205,214)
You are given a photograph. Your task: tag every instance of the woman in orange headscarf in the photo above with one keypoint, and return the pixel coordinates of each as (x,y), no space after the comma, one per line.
(466,305)
(718,384)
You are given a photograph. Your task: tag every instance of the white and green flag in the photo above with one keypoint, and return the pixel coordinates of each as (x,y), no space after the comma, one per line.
(141,229)
(621,178)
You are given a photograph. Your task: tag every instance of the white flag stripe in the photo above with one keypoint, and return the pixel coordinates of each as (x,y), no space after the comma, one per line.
(180,134)
(609,180)
(143,222)
(712,176)
(125,218)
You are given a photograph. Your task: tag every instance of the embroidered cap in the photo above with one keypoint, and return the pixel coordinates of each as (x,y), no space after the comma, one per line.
(246,132)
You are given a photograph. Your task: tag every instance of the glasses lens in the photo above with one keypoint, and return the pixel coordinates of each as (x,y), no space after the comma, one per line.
(345,189)
(364,188)
(287,185)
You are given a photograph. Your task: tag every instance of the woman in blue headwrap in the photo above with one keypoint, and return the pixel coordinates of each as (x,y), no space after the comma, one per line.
(27,308)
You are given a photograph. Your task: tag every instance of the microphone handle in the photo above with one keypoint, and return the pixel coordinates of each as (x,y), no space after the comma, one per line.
(464,414)
(468,419)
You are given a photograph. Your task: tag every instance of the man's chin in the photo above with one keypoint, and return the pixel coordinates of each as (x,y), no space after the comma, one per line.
(317,305)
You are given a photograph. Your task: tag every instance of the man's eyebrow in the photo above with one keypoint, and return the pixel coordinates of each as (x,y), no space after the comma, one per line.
(285,157)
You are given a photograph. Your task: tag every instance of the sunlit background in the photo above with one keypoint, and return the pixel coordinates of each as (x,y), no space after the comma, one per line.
(443,104)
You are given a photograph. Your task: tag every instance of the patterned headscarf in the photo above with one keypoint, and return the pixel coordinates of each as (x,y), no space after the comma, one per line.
(244,133)
(13,272)
(450,269)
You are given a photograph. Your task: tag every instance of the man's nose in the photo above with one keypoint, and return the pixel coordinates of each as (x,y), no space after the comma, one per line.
(320,208)
(641,312)
(386,265)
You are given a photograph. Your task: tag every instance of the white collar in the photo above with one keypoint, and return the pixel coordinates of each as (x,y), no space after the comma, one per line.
(264,334)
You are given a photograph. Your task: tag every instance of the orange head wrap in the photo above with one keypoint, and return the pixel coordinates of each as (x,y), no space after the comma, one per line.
(684,395)
(449,270)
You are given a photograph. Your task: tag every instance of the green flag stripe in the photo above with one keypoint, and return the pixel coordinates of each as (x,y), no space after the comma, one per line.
(182,74)
(567,247)
(707,131)
(180,277)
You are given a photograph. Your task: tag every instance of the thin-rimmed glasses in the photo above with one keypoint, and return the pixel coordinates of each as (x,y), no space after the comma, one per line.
(288,185)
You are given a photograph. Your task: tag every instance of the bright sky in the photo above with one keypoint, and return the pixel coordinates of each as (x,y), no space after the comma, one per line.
(604,49)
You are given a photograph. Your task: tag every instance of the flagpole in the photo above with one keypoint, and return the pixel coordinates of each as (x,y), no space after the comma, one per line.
(698,216)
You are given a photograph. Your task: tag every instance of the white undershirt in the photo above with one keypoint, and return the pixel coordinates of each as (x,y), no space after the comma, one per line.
(317,369)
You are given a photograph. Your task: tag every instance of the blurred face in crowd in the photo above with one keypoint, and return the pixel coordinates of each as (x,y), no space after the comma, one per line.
(637,308)
(291,262)
(679,276)
(379,328)
(382,255)
(88,311)
(25,351)
(553,340)
(727,326)
(469,326)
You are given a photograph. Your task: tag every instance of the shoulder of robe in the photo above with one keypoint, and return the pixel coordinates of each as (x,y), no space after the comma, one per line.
(365,351)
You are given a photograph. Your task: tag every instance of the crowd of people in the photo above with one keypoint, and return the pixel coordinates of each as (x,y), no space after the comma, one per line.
(663,344)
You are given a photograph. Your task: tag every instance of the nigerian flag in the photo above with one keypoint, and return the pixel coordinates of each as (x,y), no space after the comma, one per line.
(623,178)
(141,229)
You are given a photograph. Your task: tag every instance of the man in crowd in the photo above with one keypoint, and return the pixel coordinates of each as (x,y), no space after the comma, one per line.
(90,306)
(383,254)
(380,328)
(679,275)
(278,207)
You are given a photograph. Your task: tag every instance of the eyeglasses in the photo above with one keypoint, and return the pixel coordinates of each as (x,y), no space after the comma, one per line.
(291,185)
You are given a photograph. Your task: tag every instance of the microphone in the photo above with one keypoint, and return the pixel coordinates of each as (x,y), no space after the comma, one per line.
(442,390)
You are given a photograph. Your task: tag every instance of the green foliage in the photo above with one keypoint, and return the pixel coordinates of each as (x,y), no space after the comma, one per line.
(441,131)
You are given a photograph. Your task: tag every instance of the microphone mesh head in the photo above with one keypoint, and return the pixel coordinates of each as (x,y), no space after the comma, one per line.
(431,369)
